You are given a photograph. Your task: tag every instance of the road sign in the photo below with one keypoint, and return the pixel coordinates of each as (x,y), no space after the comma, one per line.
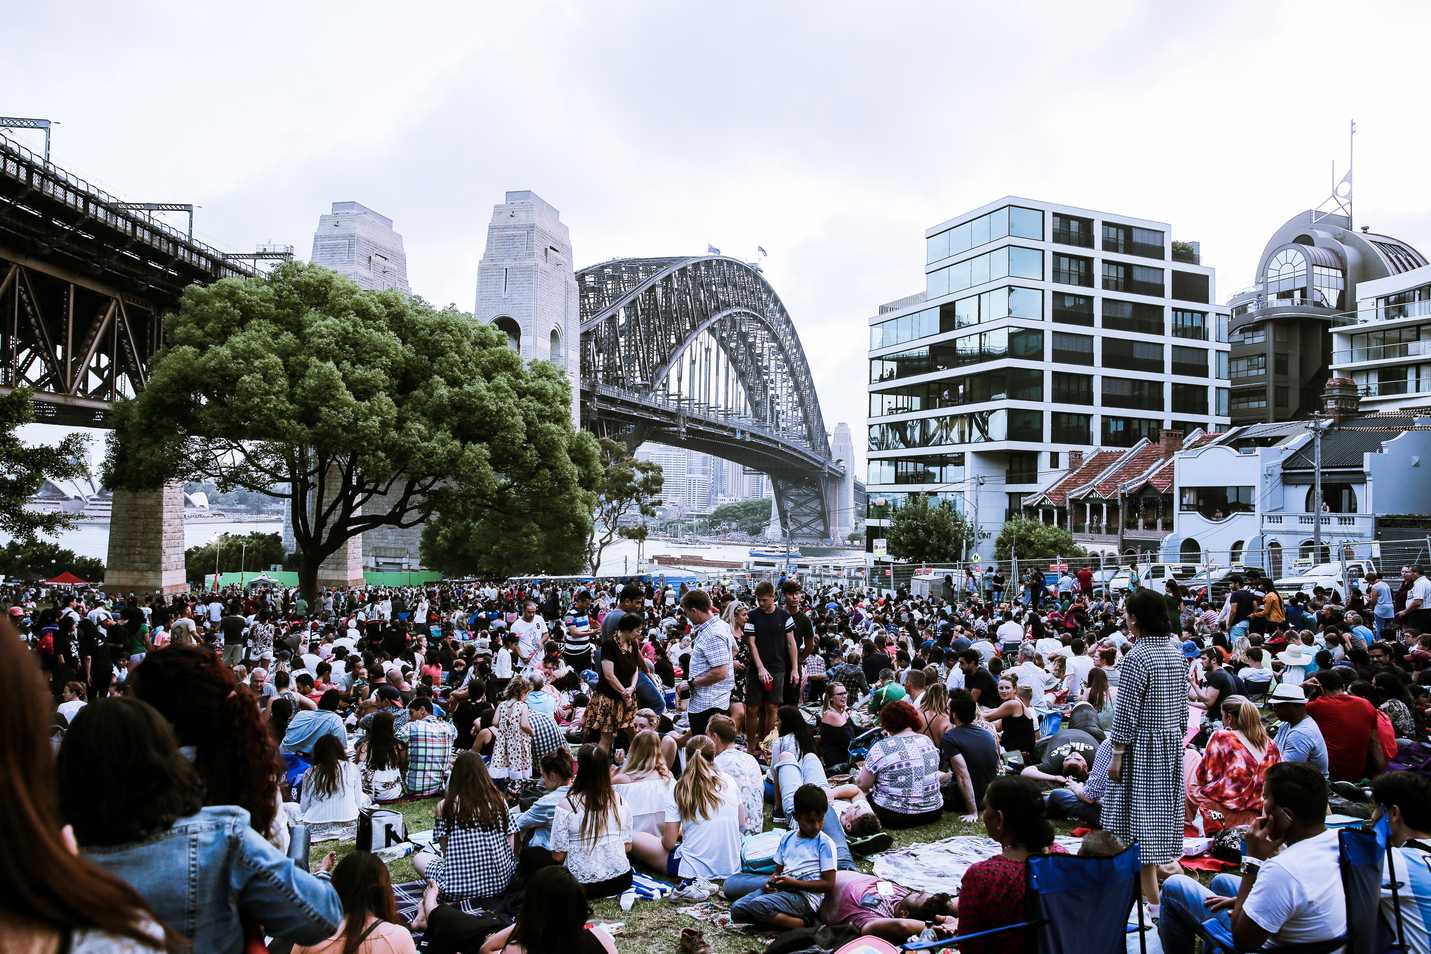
(881,548)
(975,558)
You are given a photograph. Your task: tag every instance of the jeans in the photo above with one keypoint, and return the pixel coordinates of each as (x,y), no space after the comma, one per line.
(739,885)
(810,771)
(760,907)
(1184,907)
(1063,802)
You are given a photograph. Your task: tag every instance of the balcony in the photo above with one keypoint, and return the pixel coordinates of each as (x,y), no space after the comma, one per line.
(1129,247)
(1079,237)
(1362,525)
(1404,349)
(1115,283)
(1391,389)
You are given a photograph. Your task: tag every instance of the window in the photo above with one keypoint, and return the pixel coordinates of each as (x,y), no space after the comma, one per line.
(1071,428)
(1221,372)
(1072,270)
(1139,279)
(1026,343)
(990,227)
(1222,322)
(1023,343)
(1189,324)
(1070,309)
(1072,230)
(1137,394)
(1190,398)
(1072,388)
(973,427)
(1254,399)
(1190,361)
(1132,355)
(1190,286)
(1189,551)
(1221,397)
(1072,349)
(1215,503)
(1285,271)
(1131,240)
(1247,366)
(1134,316)
(1000,263)
(935,469)
(1025,425)
(1053,460)
(1127,431)
(1023,467)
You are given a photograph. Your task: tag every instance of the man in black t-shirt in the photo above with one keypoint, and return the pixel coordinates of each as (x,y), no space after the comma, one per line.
(978,681)
(1217,683)
(972,755)
(770,636)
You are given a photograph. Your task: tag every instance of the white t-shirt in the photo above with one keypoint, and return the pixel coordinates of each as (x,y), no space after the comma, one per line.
(1010,631)
(647,801)
(502,665)
(1421,590)
(710,847)
(1082,665)
(1298,895)
(530,636)
(68,709)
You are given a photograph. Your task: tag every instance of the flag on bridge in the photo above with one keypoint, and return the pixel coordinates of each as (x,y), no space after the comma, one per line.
(712,250)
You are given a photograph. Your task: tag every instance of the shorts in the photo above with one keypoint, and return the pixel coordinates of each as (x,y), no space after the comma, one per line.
(756,694)
(673,862)
(699,720)
(760,907)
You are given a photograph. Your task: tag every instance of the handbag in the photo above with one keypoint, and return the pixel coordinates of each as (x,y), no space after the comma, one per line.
(380,828)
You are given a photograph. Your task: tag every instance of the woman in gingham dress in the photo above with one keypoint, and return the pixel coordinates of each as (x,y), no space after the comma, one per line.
(1144,802)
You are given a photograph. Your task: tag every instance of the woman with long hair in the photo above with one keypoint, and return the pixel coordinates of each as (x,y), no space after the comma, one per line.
(645,783)
(795,737)
(591,832)
(381,760)
(218,720)
(1013,718)
(331,793)
(934,706)
(1228,779)
(554,917)
(994,892)
(51,898)
(370,920)
(475,832)
(707,822)
(152,825)
(837,727)
(735,615)
(1101,696)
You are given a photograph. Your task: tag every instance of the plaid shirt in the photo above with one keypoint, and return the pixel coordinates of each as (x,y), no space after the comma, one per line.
(710,649)
(429,754)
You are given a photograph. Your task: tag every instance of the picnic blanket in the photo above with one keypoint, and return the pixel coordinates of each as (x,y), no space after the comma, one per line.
(716,912)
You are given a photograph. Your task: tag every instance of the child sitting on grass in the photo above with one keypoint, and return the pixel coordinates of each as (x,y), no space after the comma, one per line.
(805,866)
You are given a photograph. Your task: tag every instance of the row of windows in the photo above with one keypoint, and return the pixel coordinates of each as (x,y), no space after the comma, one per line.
(1014,424)
(1132,240)
(996,303)
(1252,400)
(1140,279)
(1216,502)
(882,505)
(1010,220)
(1011,260)
(1017,384)
(958,353)
(1413,301)
(935,469)
(1247,366)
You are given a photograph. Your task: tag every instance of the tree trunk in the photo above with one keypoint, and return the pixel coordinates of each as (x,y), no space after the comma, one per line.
(308,565)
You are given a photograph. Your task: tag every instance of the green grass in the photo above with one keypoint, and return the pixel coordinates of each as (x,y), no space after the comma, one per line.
(654,927)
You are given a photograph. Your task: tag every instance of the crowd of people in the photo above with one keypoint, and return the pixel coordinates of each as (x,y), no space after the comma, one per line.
(163,751)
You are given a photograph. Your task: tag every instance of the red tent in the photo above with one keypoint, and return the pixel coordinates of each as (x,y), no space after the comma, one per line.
(67,579)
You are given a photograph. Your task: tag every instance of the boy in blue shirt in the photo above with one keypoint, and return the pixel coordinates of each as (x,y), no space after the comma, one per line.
(804,870)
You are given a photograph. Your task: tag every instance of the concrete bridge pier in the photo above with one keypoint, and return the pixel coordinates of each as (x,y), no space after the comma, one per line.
(146,541)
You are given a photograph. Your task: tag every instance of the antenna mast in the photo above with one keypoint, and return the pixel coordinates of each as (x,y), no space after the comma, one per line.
(1341,195)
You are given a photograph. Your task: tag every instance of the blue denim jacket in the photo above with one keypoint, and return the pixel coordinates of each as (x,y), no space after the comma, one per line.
(210,871)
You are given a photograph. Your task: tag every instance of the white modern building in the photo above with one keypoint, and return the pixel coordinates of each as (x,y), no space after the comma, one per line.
(1387,352)
(359,243)
(1249,495)
(1043,329)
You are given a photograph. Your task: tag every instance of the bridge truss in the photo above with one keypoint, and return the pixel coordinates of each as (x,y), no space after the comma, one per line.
(699,352)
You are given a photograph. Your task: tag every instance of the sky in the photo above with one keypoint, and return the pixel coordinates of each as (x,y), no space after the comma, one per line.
(832,134)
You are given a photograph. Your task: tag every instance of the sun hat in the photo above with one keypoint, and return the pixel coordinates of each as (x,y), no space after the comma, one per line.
(1296,655)
(1190,649)
(1288,693)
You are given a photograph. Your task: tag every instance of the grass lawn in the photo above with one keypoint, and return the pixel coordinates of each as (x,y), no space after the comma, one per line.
(653,927)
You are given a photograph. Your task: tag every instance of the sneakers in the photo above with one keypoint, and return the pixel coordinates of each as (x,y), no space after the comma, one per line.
(872,844)
(696,890)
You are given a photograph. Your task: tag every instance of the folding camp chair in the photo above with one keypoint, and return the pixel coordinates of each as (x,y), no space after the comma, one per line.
(1360,862)
(1079,905)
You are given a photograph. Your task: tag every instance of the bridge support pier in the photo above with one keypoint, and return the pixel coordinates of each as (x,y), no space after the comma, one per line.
(146,541)
(344,567)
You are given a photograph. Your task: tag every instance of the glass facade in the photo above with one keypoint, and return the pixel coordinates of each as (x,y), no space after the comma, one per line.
(1010,260)
(1189,324)
(1216,502)
(1247,366)
(1132,355)
(1136,393)
(1025,343)
(1190,361)
(1072,230)
(931,469)
(1066,428)
(1138,279)
(1000,223)
(1072,270)
(1015,384)
(1008,302)
(1071,309)
(1190,398)
(1132,240)
(1411,303)
(1072,349)
(975,427)
(1135,316)
(1127,431)
(1072,388)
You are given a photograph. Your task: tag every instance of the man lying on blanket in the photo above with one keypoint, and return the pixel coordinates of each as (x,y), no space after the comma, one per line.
(873,905)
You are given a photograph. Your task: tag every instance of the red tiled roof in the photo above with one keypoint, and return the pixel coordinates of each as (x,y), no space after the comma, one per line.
(1057,493)
(1135,463)
(1160,478)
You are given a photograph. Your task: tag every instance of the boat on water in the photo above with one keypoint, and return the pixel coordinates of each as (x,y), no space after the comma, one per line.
(774,553)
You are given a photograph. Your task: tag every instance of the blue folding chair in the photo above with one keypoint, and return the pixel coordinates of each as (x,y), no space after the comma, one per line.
(1077,906)
(1360,860)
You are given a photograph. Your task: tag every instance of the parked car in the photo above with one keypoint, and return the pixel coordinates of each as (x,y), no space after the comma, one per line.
(1213,585)
(1331,576)
(1152,575)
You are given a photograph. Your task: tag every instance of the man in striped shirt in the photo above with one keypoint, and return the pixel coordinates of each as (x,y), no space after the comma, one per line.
(579,628)
(712,673)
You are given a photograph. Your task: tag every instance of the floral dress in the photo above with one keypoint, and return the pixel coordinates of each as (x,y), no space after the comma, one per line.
(511,748)
(1229,778)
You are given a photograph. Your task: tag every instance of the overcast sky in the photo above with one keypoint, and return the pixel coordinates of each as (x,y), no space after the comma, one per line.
(830,133)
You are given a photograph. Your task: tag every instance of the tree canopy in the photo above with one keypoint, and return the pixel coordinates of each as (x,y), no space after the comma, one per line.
(1036,541)
(925,533)
(36,559)
(356,409)
(747,516)
(231,553)
(629,487)
(24,468)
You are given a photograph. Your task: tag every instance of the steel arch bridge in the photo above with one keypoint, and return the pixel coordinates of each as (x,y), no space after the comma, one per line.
(699,352)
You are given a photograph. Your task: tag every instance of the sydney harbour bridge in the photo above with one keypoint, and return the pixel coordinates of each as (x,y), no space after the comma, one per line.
(696,352)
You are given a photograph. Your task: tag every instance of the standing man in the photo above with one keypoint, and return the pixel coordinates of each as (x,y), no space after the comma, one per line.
(576,645)
(770,637)
(631,599)
(804,636)
(531,632)
(1383,613)
(712,673)
(1417,614)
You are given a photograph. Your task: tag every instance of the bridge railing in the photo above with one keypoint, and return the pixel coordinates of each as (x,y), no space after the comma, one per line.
(19,164)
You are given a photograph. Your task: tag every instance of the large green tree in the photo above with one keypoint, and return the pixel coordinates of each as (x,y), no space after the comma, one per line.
(928,533)
(25,467)
(747,516)
(1035,540)
(36,559)
(629,487)
(231,553)
(356,409)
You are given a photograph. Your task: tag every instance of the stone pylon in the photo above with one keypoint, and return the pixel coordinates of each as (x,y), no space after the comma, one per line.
(146,541)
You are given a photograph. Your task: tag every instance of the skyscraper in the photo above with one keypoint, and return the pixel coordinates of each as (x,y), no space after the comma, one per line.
(842,446)
(359,243)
